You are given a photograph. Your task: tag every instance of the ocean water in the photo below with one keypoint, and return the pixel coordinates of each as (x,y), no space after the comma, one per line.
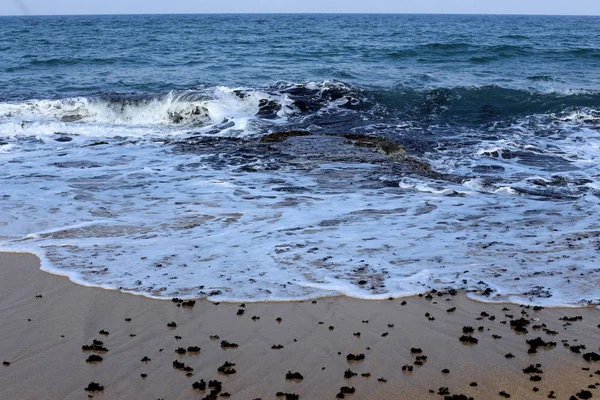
(131,154)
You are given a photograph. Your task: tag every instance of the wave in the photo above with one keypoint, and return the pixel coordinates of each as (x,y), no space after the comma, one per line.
(214,110)
(481,104)
(304,105)
(187,108)
(447,46)
(509,48)
(586,52)
(405,53)
(473,51)
(542,78)
(171,108)
(69,61)
(516,37)
(479,53)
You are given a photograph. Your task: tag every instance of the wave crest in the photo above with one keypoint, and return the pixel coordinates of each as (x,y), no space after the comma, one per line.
(210,110)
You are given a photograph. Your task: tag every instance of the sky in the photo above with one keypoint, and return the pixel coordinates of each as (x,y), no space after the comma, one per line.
(61,7)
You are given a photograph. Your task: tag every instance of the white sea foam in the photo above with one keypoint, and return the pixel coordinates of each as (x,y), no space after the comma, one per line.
(135,215)
(231,110)
(559,150)
(133,221)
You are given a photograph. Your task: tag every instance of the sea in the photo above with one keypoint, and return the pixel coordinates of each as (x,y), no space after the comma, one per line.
(136,154)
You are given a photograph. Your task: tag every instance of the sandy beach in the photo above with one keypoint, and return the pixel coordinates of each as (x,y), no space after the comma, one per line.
(47,319)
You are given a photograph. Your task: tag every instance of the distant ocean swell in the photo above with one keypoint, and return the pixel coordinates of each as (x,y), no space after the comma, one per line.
(443,52)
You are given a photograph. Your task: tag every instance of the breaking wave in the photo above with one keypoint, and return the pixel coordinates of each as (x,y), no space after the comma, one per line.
(197,108)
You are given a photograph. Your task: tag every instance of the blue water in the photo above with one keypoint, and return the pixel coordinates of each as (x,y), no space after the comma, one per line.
(94,112)
(68,56)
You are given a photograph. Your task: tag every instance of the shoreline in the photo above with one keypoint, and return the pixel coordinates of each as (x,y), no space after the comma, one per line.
(467,294)
(42,339)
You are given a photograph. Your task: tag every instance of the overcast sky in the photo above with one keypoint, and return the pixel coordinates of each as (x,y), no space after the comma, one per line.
(579,7)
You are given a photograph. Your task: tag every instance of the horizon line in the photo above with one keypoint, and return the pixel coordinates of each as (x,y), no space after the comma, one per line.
(299,13)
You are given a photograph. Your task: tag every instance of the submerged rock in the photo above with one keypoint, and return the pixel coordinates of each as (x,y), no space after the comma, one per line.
(268,109)
(281,136)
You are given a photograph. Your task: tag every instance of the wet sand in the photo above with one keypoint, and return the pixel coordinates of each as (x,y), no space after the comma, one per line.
(47,319)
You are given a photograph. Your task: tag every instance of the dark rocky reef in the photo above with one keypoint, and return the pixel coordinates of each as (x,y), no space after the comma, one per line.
(302,149)
(383,145)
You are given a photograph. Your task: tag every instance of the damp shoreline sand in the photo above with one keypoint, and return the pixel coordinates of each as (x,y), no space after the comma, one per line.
(46,320)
